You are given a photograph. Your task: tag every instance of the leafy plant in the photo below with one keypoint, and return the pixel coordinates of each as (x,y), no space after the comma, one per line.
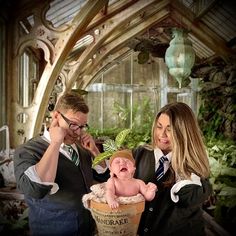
(217,113)
(222,156)
(217,119)
(142,115)
(110,146)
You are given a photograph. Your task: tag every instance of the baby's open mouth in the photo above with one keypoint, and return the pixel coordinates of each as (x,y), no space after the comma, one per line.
(123,169)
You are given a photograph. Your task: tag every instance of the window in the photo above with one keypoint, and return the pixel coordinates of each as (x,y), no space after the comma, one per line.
(28,78)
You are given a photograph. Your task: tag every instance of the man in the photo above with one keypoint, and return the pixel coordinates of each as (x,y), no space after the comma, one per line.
(54,171)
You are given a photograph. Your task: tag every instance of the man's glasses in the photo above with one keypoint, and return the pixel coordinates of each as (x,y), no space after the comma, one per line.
(74,126)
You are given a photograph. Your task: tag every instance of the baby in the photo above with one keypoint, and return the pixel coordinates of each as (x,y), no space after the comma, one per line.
(122,183)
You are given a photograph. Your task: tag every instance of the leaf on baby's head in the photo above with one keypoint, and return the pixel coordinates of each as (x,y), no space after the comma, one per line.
(110,146)
(120,138)
(101,157)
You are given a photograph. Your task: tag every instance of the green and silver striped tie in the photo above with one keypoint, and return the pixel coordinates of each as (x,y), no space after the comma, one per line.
(74,155)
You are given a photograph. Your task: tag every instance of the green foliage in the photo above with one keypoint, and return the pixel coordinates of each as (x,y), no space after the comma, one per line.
(222,156)
(101,157)
(114,138)
(120,138)
(13,218)
(110,146)
(104,134)
(142,119)
(136,138)
(210,120)
(142,115)
(217,119)
(217,114)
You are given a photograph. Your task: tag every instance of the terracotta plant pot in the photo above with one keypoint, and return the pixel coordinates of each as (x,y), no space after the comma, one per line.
(121,221)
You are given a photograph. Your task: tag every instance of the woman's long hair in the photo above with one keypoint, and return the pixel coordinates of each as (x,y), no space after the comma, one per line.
(189,153)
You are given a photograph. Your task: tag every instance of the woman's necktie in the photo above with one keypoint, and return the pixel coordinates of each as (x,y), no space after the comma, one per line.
(160,169)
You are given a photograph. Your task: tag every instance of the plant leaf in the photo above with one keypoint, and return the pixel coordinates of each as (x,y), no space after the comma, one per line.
(215,166)
(109,145)
(120,138)
(227,171)
(101,157)
(228,191)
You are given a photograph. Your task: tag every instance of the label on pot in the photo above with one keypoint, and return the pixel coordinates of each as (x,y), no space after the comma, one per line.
(116,222)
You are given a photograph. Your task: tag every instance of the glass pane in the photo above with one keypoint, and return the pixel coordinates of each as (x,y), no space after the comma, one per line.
(185,98)
(124,96)
(24,80)
(22,118)
(28,78)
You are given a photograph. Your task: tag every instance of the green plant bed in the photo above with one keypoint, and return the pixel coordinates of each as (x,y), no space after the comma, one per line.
(134,139)
(222,155)
(104,134)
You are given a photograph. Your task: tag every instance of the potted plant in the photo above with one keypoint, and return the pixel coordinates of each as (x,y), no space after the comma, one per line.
(125,219)
(110,146)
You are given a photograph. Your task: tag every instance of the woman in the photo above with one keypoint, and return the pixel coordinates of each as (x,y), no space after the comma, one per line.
(181,177)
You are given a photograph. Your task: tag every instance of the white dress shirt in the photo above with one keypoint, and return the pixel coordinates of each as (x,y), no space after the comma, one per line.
(158,154)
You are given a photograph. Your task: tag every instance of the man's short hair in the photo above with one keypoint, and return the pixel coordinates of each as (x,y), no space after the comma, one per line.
(72,101)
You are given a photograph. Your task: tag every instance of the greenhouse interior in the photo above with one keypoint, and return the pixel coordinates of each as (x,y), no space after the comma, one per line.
(127,59)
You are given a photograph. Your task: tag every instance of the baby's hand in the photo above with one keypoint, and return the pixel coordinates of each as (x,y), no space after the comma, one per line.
(151,187)
(113,204)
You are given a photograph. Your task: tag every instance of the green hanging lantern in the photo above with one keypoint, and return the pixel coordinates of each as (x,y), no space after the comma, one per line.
(180,56)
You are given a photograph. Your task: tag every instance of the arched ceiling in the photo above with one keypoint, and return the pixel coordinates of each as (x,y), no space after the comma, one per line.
(133,25)
(79,39)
